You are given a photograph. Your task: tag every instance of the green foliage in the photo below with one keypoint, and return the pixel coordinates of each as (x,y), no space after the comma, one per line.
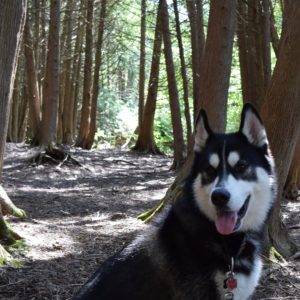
(235,99)
(163,133)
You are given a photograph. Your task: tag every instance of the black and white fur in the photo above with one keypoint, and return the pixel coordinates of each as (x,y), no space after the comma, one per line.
(221,214)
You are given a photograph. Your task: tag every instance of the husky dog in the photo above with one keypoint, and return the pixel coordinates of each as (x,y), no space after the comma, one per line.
(207,245)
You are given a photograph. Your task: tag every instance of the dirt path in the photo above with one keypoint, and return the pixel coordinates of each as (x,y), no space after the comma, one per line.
(82,215)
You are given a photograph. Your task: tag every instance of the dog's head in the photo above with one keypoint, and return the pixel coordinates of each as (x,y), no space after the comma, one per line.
(234,180)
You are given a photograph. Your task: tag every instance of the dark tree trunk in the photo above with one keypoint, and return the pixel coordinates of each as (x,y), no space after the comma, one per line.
(184,79)
(33,84)
(142,63)
(12,19)
(51,86)
(173,91)
(66,103)
(216,64)
(96,83)
(145,141)
(254,38)
(75,82)
(281,112)
(86,101)
(195,14)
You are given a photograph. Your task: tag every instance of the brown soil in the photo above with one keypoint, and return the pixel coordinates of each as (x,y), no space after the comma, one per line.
(83,214)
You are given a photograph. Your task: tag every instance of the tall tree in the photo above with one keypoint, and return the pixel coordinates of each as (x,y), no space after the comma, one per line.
(173,90)
(184,78)
(33,83)
(216,64)
(195,14)
(12,19)
(70,116)
(65,103)
(221,28)
(281,115)
(254,38)
(86,101)
(51,85)
(145,141)
(281,112)
(96,83)
(142,63)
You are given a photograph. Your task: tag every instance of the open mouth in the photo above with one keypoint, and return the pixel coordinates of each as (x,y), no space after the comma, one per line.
(229,221)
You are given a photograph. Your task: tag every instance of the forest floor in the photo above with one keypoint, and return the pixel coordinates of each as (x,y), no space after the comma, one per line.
(82,214)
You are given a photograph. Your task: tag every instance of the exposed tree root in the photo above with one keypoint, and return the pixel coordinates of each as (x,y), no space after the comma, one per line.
(150,149)
(8,237)
(291,190)
(8,208)
(56,156)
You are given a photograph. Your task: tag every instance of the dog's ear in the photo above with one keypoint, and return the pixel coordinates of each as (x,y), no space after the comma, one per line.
(202,131)
(252,127)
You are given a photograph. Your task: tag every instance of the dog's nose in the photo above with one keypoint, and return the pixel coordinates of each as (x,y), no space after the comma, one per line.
(220,197)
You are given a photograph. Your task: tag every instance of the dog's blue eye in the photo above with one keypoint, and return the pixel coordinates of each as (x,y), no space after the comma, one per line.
(241,166)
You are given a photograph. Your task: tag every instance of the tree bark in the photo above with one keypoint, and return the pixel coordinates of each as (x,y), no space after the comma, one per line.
(51,86)
(195,14)
(184,79)
(282,120)
(33,84)
(86,101)
(65,74)
(96,83)
(254,38)
(72,119)
(142,63)
(173,91)
(68,104)
(216,64)
(12,18)
(145,141)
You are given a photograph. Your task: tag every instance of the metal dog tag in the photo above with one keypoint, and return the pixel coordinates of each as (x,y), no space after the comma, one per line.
(229,296)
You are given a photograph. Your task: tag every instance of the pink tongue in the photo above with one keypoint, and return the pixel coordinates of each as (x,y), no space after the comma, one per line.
(226,221)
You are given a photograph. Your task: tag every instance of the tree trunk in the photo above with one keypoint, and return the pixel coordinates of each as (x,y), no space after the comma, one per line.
(72,119)
(12,134)
(96,83)
(12,19)
(216,64)
(51,86)
(85,111)
(184,80)
(195,14)
(68,104)
(292,185)
(282,120)
(142,63)
(32,82)
(254,39)
(173,91)
(145,141)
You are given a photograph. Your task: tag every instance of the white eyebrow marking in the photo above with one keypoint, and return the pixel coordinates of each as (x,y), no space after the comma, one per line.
(233,158)
(214,160)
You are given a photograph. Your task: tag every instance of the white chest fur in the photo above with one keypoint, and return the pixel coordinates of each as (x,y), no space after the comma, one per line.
(245,284)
